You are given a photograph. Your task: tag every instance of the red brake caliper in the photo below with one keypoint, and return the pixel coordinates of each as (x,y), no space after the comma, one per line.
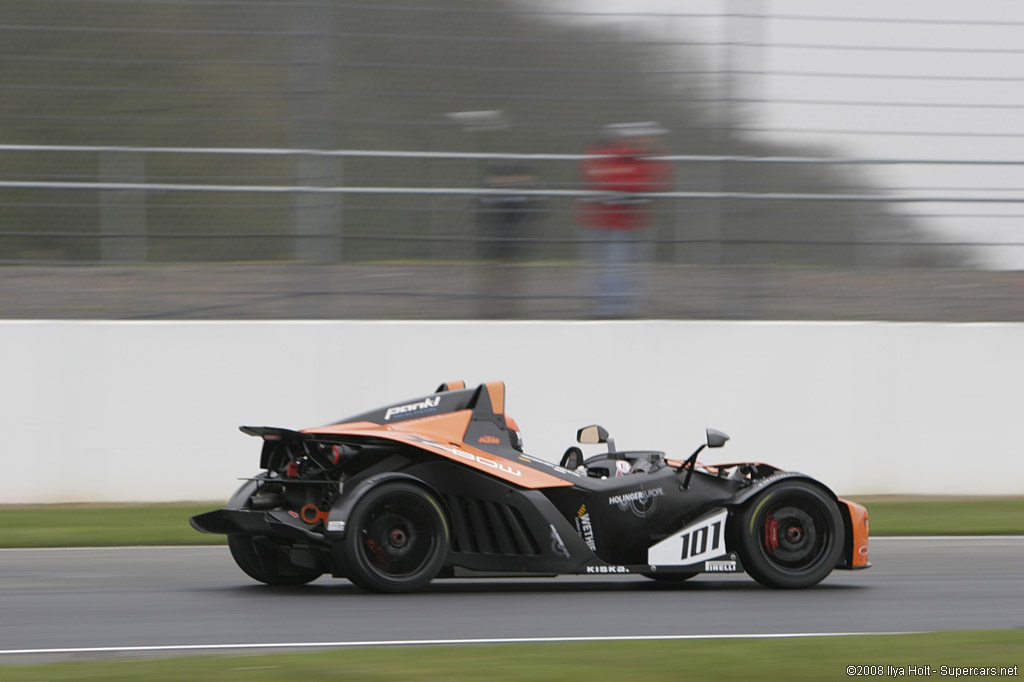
(378,552)
(771,534)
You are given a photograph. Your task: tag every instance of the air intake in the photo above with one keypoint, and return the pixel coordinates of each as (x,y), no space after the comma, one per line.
(484,527)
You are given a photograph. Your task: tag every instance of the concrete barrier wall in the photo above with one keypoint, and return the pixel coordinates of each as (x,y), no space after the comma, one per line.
(136,411)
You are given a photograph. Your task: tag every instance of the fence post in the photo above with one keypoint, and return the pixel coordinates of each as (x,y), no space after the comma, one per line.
(317,215)
(743,41)
(122,211)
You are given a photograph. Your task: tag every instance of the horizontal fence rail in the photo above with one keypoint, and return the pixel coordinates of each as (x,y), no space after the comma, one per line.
(483,156)
(110,204)
(476,191)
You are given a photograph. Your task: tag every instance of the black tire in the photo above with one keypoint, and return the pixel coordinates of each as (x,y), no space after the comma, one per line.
(262,560)
(396,539)
(790,535)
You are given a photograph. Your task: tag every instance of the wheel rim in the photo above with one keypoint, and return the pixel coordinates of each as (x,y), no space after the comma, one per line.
(399,536)
(796,533)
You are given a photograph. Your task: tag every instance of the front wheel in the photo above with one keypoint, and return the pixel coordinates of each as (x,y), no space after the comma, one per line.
(265,561)
(790,535)
(396,539)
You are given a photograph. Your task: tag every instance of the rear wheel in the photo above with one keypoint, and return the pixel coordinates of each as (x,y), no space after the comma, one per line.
(396,539)
(791,535)
(267,562)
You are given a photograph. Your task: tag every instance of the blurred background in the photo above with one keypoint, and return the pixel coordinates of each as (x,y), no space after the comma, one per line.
(245,159)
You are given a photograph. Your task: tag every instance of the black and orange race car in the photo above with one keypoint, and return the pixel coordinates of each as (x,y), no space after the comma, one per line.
(439,486)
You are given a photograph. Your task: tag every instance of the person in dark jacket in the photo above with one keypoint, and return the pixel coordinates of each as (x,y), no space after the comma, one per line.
(505,234)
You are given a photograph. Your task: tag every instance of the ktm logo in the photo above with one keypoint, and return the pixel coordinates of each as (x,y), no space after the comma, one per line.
(491,440)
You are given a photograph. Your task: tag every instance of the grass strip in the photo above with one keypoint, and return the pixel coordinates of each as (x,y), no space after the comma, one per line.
(896,516)
(815,658)
(167,524)
(74,525)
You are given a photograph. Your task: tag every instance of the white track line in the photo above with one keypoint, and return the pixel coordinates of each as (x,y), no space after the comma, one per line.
(432,642)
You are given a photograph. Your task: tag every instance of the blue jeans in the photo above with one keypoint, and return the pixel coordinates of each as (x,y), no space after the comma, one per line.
(616,259)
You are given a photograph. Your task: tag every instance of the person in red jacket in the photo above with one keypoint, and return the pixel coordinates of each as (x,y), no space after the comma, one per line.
(623,166)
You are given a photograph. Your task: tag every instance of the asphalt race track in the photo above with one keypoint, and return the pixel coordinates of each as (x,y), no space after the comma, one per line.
(166,596)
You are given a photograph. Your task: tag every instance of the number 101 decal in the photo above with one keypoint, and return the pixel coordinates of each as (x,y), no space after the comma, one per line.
(702,540)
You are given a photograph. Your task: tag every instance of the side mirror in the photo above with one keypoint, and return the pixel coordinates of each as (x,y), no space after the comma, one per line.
(716,439)
(590,435)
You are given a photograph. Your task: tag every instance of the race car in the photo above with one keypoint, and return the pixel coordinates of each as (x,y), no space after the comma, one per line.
(439,486)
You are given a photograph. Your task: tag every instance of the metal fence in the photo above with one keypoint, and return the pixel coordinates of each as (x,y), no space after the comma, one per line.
(158,132)
(137,205)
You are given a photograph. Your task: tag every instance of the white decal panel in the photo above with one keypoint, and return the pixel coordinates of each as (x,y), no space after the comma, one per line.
(698,542)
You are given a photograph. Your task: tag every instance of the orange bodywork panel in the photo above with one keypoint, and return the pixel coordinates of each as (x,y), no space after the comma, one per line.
(449,428)
(347,427)
(444,435)
(451,386)
(859,528)
(511,471)
(496,391)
